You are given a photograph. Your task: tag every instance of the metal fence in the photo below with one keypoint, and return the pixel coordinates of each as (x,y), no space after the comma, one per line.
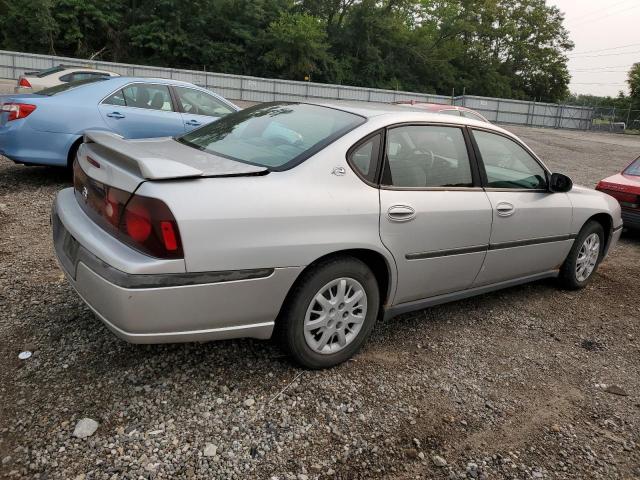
(255,89)
(616,120)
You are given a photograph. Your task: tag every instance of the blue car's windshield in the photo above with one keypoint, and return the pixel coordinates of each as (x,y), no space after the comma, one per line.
(68,86)
(273,135)
(633,169)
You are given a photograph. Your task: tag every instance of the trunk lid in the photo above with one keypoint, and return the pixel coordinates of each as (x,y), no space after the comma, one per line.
(112,160)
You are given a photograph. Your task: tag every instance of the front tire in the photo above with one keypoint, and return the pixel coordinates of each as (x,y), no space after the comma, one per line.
(330,313)
(584,257)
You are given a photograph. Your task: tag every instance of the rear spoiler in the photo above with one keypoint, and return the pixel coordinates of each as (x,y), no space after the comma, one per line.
(135,160)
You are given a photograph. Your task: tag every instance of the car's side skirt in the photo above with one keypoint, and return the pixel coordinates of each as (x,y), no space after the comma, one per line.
(471,292)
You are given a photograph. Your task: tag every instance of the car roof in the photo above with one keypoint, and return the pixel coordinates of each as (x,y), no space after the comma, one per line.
(372,109)
(164,81)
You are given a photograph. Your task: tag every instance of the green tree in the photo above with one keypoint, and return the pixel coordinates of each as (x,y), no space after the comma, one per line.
(633,79)
(297,45)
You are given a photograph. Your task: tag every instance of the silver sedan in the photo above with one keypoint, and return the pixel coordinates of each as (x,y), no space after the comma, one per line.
(312,221)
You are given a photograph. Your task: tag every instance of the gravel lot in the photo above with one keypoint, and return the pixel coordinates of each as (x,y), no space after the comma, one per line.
(530,382)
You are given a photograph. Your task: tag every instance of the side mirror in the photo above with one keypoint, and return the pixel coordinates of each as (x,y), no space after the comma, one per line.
(560,183)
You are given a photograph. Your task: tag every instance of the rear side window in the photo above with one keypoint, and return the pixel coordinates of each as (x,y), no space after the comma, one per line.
(507,164)
(364,157)
(151,97)
(116,99)
(426,156)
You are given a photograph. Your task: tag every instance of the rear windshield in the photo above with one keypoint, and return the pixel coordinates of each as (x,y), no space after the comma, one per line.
(633,169)
(49,92)
(49,71)
(273,135)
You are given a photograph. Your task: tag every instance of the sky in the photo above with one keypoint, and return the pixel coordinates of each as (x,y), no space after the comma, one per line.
(606,34)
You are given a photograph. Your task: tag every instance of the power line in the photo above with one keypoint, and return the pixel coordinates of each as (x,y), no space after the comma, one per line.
(596,83)
(600,10)
(603,68)
(607,54)
(604,16)
(605,49)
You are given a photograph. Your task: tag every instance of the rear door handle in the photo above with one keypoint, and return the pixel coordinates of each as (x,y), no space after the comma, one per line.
(505,209)
(115,115)
(401,213)
(193,123)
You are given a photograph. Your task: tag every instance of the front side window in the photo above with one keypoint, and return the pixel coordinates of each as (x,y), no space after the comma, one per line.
(427,156)
(273,135)
(152,97)
(198,102)
(507,164)
(633,169)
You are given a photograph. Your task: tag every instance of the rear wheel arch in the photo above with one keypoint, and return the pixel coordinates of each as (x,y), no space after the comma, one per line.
(376,261)
(73,150)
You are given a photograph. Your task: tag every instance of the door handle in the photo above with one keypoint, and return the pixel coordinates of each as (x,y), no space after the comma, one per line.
(505,209)
(193,123)
(401,213)
(115,115)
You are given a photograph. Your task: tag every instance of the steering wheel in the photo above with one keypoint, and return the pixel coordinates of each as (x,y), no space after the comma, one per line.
(428,154)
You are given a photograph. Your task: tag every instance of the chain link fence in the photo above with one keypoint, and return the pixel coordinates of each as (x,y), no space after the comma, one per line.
(254,89)
(616,120)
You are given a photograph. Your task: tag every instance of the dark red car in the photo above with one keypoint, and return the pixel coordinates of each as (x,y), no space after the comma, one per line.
(625,187)
(446,109)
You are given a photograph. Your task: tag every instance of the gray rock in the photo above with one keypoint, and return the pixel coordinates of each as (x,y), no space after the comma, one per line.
(210,450)
(438,461)
(249,402)
(85,428)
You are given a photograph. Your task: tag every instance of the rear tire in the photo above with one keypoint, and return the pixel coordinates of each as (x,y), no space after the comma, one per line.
(330,313)
(73,152)
(584,257)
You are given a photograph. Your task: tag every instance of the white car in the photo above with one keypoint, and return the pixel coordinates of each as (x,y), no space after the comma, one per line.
(32,82)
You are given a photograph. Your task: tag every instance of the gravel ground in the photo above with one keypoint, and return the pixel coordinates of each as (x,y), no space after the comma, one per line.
(530,382)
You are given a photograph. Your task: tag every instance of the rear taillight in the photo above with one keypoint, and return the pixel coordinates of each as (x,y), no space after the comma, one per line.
(24,83)
(17,110)
(143,223)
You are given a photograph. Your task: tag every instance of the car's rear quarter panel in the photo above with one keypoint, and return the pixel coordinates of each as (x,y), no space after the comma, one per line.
(282,219)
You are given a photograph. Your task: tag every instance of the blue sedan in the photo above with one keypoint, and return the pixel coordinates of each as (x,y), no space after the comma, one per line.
(46,128)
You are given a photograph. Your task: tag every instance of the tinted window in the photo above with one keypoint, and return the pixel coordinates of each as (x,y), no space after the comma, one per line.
(274,135)
(116,99)
(50,71)
(68,86)
(364,157)
(507,164)
(473,116)
(633,169)
(198,102)
(427,156)
(152,97)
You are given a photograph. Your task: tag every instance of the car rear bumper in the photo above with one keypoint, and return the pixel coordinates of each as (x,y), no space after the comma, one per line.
(169,307)
(631,218)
